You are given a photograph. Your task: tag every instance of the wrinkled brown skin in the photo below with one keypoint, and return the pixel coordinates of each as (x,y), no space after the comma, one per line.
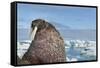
(47,47)
(20,61)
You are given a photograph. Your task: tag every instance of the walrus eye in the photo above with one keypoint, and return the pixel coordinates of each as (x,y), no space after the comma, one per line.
(33,33)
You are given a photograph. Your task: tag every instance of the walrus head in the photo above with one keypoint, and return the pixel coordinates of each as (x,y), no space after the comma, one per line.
(37,25)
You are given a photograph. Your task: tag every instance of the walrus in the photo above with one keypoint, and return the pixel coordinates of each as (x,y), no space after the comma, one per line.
(47,45)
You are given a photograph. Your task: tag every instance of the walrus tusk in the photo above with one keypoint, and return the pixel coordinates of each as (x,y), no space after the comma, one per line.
(33,33)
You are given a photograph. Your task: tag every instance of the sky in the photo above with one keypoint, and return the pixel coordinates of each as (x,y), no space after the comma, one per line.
(73,17)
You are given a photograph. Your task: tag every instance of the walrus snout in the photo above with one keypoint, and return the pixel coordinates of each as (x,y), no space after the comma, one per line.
(40,23)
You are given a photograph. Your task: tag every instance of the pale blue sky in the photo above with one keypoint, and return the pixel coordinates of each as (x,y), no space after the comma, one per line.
(73,17)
